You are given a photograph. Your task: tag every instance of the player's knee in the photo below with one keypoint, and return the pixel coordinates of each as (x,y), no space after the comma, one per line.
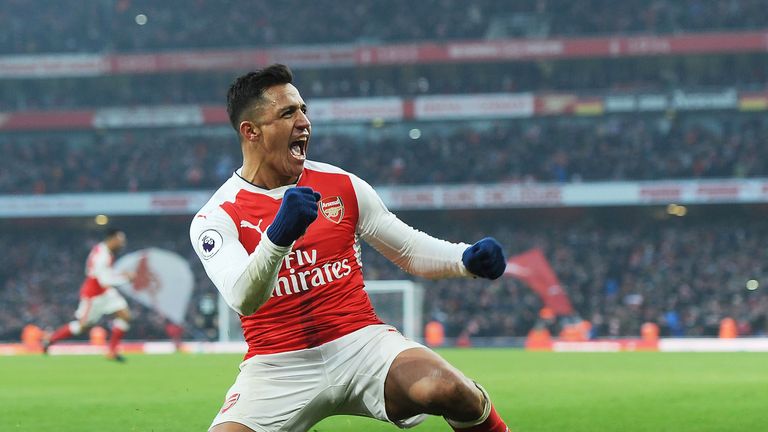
(455,398)
(75,327)
(121,324)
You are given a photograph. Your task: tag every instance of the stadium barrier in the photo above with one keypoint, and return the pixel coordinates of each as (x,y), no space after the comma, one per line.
(351,110)
(599,345)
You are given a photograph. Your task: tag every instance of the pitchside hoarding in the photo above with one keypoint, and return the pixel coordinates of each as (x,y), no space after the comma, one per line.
(432,197)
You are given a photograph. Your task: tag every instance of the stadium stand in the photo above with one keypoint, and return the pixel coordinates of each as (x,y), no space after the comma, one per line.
(635,106)
(591,76)
(112,25)
(620,267)
(715,145)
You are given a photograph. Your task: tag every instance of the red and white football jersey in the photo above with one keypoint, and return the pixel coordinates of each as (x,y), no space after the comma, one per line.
(99,274)
(311,292)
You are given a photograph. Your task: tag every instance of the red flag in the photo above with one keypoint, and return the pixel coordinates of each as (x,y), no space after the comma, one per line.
(533,268)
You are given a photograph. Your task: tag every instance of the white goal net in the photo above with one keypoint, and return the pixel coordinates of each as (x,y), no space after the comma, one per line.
(397,302)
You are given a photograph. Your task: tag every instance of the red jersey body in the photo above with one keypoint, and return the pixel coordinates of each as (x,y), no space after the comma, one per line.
(311,292)
(319,292)
(98,271)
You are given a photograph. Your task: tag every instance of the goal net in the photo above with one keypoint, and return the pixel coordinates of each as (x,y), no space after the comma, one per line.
(397,302)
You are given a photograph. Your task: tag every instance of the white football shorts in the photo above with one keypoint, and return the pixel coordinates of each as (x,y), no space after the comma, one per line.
(91,309)
(292,391)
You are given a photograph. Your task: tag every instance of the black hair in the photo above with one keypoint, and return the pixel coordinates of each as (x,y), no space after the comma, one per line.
(111,232)
(248,89)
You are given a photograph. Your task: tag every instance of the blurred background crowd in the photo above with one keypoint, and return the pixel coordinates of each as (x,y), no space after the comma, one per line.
(110,25)
(549,150)
(622,266)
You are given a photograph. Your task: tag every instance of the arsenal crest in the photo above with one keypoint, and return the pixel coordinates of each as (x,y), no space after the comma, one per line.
(332,208)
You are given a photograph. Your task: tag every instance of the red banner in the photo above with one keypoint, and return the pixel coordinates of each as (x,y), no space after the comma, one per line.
(533,268)
(427,108)
(349,55)
(428,53)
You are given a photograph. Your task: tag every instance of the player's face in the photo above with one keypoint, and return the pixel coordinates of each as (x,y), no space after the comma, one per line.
(285,131)
(117,242)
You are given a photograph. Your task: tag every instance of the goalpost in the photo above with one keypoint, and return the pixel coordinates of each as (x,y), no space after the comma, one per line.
(397,302)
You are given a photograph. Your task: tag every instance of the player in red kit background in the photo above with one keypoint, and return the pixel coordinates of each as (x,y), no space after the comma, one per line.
(98,296)
(280,240)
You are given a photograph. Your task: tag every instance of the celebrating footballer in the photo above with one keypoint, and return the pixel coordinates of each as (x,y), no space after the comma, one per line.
(280,240)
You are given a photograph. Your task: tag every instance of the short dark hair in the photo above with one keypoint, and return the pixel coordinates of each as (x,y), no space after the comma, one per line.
(111,232)
(248,89)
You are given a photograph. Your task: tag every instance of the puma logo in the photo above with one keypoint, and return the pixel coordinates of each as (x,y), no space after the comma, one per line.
(257,227)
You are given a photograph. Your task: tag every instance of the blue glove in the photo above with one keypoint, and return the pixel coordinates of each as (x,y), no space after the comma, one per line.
(485,259)
(297,211)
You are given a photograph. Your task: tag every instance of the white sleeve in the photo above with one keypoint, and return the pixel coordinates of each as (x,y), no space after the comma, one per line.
(101,269)
(410,249)
(245,281)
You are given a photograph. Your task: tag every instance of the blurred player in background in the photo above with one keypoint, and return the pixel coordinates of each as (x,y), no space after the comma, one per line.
(280,241)
(99,297)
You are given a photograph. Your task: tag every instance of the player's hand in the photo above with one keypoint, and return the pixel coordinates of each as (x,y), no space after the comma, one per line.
(485,259)
(297,211)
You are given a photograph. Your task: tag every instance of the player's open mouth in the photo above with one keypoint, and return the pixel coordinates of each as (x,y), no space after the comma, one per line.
(299,148)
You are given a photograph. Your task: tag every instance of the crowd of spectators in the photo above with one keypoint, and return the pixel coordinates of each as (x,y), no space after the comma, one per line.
(143,25)
(123,161)
(621,268)
(580,76)
(561,150)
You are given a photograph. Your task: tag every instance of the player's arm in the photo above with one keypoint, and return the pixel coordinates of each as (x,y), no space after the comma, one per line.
(246,281)
(419,253)
(410,249)
(102,270)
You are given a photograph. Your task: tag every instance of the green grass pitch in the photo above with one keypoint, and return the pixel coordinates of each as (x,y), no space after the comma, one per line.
(571,392)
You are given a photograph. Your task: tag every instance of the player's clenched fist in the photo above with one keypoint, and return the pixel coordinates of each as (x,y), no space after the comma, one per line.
(485,259)
(297,211)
